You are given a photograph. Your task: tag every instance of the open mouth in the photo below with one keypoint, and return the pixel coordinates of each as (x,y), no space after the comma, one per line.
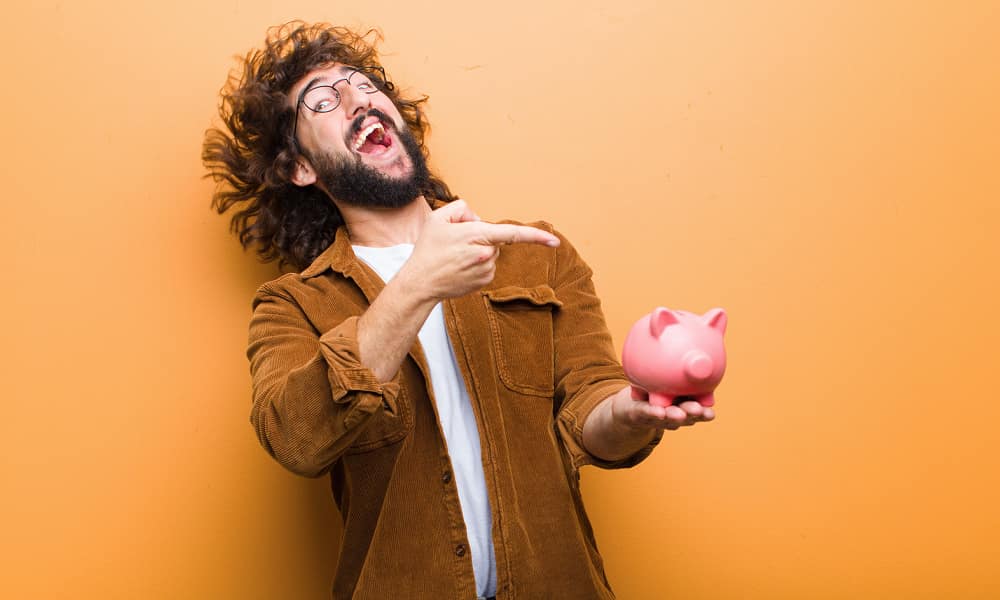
(372,139)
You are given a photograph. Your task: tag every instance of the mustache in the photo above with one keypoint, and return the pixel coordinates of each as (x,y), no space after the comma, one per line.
(385,119)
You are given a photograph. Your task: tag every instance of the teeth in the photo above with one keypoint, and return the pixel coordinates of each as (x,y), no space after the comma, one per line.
(367,131)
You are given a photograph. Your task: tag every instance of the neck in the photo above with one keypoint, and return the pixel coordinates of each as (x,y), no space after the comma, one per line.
(385,227)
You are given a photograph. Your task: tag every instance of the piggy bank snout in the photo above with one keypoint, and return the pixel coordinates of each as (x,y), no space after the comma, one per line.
(698,365)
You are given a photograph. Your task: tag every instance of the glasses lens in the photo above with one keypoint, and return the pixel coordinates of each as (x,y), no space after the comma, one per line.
(321,98)
(368,81)
(324,98)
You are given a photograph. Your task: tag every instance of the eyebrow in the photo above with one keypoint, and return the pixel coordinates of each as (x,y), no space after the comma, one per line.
(306,89)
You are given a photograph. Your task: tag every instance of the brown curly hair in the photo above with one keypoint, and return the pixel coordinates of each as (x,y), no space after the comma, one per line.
(252,159)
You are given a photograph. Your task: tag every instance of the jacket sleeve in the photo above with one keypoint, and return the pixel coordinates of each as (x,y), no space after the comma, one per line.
(587,369)
(312,397)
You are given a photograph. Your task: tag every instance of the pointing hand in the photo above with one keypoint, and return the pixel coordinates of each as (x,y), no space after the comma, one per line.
(456,252)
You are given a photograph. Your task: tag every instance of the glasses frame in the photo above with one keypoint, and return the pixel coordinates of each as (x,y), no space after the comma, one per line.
(376,75)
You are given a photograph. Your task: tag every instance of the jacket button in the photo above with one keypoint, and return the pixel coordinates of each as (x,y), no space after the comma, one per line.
(460,550)
(446,477)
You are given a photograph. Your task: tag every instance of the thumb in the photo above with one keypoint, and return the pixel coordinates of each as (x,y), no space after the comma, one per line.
(638,394)
(456,211)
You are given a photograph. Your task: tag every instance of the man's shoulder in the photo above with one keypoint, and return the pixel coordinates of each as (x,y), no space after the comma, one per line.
(291,285)
(544,225)
(537,264)
(282,287)
(565,250)
(539,251)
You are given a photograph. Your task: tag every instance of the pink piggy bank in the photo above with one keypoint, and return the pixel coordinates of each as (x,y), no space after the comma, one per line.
(671,353)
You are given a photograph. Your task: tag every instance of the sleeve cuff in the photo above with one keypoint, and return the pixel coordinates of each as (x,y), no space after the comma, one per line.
(348,376)
(573,417)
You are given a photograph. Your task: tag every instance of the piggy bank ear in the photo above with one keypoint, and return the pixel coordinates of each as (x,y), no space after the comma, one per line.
(716,319)
(659,320)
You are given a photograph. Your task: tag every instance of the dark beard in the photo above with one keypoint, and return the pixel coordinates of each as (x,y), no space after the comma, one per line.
(352,182)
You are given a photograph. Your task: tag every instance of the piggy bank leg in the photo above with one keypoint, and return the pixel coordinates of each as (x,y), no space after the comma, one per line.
(706,400)
(660,399)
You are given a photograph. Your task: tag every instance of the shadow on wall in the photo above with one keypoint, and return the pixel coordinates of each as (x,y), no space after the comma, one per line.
(320,529)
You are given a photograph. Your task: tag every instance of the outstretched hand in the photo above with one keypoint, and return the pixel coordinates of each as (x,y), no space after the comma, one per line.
(637,412)
(621,425)
(456,252)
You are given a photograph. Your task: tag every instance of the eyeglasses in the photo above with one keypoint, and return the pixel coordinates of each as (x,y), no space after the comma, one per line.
(325,98)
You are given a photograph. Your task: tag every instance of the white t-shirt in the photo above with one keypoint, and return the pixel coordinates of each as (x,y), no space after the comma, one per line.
(457,421)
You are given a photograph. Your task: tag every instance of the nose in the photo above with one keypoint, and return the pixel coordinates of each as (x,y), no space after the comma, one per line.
(355,102)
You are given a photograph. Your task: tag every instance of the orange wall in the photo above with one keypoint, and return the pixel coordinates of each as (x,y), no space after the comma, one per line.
(828,174)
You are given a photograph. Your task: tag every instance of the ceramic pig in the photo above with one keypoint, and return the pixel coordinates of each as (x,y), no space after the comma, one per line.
(671,353)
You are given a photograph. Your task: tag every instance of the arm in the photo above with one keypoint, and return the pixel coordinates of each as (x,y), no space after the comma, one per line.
(599,421)
(314,395)
(389,328)
(588,373)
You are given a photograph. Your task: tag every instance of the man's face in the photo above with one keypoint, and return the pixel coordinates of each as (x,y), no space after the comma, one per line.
(361,152)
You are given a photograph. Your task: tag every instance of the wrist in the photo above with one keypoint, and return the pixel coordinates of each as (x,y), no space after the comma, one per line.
(413,287)
(609,434)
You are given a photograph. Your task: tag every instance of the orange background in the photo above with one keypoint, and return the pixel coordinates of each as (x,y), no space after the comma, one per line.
(827,173)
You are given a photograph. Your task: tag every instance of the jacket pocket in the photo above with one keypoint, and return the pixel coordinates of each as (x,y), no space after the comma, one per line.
(521,328)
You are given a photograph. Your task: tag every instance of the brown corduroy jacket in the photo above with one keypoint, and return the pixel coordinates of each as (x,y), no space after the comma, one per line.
(536,357)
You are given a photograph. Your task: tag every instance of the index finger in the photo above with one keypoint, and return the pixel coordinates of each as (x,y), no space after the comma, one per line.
(505,233)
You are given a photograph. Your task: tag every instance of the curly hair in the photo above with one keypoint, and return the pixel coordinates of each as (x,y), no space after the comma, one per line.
(253,158)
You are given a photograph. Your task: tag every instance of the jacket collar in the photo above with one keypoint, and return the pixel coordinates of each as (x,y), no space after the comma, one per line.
(338,256)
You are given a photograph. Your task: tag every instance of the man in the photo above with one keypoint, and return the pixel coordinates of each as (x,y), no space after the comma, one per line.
(450,375)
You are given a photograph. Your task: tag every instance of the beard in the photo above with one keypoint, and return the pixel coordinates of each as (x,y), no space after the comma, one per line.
(349,180)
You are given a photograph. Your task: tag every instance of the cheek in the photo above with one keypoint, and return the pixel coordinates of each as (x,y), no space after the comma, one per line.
(329,138)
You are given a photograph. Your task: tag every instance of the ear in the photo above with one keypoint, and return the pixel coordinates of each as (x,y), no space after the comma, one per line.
(716,319)
(659,320)
(303,174)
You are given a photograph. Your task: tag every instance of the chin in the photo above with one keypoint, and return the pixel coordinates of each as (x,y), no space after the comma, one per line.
(398,170)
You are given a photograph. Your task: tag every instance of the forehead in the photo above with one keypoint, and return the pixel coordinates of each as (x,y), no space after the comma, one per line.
(322,74)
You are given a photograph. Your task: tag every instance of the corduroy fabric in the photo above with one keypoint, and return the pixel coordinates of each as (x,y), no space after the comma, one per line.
(536,357)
